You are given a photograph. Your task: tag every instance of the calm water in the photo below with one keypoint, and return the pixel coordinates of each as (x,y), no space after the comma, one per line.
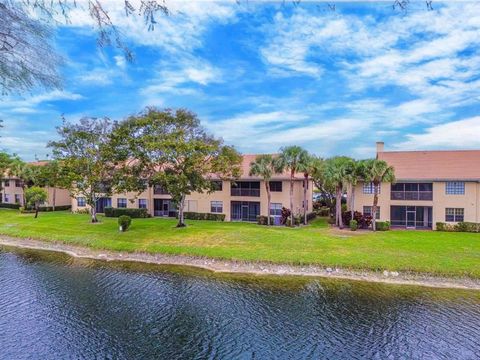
(54,307)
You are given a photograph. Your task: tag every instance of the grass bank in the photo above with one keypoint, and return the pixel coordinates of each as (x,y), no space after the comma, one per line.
(445,254)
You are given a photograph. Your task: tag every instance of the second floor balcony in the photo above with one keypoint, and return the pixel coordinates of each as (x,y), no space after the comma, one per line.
(412,191)
(245,188)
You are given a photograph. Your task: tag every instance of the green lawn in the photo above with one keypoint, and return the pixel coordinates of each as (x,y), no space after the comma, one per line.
(456,254)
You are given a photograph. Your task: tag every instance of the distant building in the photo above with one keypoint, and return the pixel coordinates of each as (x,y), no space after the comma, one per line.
(431,186)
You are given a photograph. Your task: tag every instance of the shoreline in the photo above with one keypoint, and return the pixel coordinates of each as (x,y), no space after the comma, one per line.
(245,267)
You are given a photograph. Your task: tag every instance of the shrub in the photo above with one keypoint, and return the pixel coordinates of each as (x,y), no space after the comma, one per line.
(353,225)
(382,225)
(311,216)
(82,211)
(331,220)
(263,220)
(57,208)
(9,206)
(133,213)
(124,222)
(363,221)
(190,215)
(467,227)
(285,215)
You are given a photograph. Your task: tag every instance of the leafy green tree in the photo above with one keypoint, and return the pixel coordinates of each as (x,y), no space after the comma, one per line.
(288,160)
(27,173)
(6,161)
(35,196)
(172,149)
(377,172)
(355,173)
(51,174)
(323,184)
(87,157)
(336,173)
(264,166)
(307,166)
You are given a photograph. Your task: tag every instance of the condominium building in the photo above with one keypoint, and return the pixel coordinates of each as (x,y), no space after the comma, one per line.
(12,189)
(430,187)
(240,200)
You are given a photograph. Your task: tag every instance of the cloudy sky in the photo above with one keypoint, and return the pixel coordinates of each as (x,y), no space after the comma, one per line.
(265,75)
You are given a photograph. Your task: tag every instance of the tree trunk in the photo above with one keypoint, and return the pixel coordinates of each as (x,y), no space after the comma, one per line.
(292,222)
(305,184)
(349,199)
(352,201)
(339,207)
(181,205)
(93,209)
(374,207)
(36,211)
(267,188)
(54,197)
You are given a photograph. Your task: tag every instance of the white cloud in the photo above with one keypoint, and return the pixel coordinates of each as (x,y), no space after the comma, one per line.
(455,134)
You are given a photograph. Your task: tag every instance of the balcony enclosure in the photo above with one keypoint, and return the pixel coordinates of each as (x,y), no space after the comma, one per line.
(244,210)
(245,188)
(412,191)
(411,217)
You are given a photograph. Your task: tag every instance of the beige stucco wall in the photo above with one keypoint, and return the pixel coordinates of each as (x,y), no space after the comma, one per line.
(470,201)
(201,202)
(62,196)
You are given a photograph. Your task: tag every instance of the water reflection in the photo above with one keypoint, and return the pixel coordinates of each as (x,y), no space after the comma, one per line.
(52,306)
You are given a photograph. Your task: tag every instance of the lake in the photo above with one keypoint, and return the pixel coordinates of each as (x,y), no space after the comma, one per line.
(55,307)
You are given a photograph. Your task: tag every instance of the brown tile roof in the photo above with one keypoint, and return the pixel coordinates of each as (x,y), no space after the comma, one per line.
(249,158)
(434,165)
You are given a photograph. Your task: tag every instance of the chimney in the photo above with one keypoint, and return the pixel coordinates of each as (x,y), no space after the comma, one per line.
(380,146)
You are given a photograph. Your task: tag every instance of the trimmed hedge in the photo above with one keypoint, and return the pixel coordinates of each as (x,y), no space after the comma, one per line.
(190,215)
(57,208)
(9,206)
(311,216)
(133,213)
(459,227)
(262,220)
(382,225)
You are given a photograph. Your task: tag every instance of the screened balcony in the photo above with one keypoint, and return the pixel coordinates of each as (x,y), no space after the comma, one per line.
(245,188)
(412,191)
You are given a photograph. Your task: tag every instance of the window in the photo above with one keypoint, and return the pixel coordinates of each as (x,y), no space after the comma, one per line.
(6,183)
(454,214)
(6,198)
(121,203)
(217,185)
(81,201)
(17,198)
(216,206)
(142,203)
(18,183)
(412,191)
(245,188)
(276,186)
(369,188)
(367,210)
(275,209)
(455,188)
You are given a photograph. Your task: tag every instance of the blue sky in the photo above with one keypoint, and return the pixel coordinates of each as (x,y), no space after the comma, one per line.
(264,75)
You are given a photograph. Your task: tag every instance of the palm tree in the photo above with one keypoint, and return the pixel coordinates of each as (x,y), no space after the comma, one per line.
(337,173)
(355,173)
(377,172)
(264,166)
(307,166)
(289,160)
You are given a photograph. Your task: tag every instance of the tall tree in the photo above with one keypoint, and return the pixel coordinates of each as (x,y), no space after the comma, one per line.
(51,175)
(289,160)
(35,196)
(172,149)
(336,171)
(355,173)
(6,161)
(264,166)
(26,173)
(307,166)
(377,172)
(323,184)
(87,157)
